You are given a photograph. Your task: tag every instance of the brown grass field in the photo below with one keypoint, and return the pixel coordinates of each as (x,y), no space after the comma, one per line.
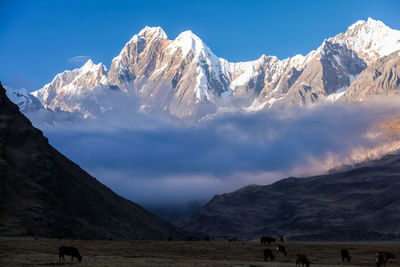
(28,251)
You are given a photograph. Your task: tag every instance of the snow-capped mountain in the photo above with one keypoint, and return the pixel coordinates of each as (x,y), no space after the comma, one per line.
(369,39)
(76,90)
(184,78)
(173,76)
(25,101)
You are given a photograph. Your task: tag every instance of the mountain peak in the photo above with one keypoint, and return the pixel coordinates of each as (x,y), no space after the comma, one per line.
(88,63)
(263,57)
(354,25)
(370,39)
(187,41)
(369,25)
(155,32)
(188,34)
(149,33)
(376,25)
(90,66)
(374,21)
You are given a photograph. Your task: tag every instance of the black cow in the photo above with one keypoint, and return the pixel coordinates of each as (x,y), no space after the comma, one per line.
(281,249)
(267,240)
(345,254)
(69,251)
(268,254)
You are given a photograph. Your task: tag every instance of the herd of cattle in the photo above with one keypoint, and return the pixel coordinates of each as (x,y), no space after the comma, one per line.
(382,257)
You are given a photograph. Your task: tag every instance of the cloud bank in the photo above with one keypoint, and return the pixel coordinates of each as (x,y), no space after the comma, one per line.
(155,162)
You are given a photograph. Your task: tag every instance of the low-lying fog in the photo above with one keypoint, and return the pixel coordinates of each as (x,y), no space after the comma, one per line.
(172,168)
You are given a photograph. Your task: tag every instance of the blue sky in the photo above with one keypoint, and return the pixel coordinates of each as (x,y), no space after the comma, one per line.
(37,38)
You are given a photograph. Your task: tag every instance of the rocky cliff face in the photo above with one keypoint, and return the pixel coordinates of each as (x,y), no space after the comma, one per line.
(43,193)
(360,204)
(183,77)
(382,78)
(328,70)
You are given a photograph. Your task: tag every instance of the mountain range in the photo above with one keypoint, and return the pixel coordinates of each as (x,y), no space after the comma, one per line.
(183,78)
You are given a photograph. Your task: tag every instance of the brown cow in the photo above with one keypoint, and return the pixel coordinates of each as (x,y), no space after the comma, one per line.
(382,258)
(301,258)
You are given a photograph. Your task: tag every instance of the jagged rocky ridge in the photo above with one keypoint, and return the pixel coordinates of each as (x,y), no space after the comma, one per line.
(382,78)
(183,77)
(356,205)
(43,193)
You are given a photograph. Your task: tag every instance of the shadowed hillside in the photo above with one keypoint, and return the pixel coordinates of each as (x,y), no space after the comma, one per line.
(359,204)
(43,193)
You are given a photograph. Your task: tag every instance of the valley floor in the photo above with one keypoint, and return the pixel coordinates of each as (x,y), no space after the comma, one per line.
(44,252)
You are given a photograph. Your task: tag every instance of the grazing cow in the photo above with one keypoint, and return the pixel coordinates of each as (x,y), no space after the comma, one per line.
(281,249)
(268,254)
(69,251)
(382,258)
(301,258)
(267,239)
(345,254)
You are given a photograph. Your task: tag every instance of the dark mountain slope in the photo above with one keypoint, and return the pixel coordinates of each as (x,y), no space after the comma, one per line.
(360,204)
(44,193)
